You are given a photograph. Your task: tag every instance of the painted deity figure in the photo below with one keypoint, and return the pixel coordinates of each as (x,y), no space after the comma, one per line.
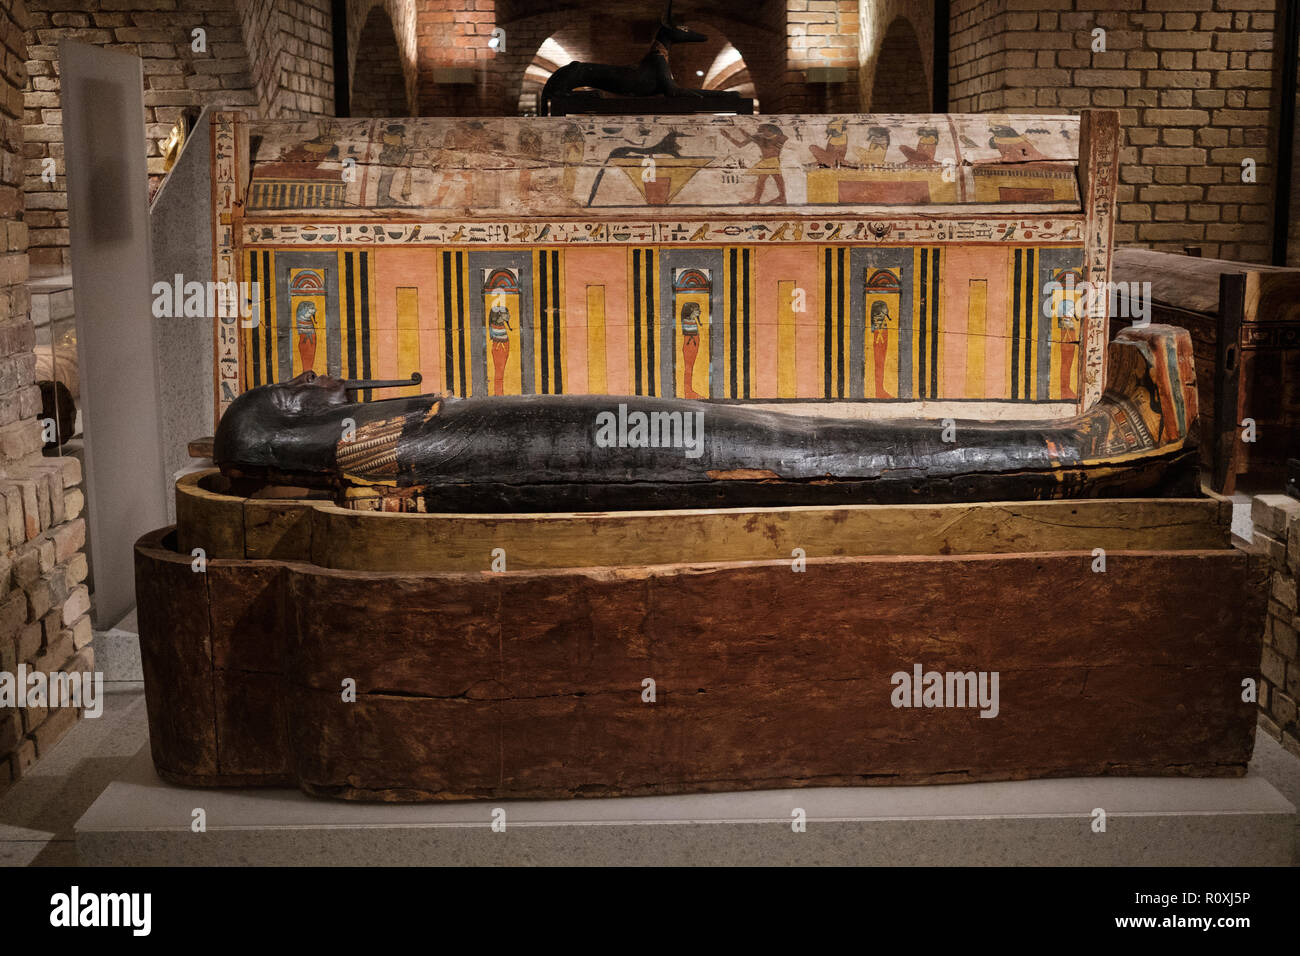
(877,146)
(837,144)
(769,139)
(927,142)
(690,345)
(391,156)
(1069,326)
(499,335)
(880,320)
(305,321)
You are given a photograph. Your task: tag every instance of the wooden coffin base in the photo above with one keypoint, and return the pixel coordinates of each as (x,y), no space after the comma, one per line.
(532,683)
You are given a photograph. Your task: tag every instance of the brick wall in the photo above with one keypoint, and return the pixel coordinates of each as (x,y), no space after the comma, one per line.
(455,72)
(290,46)
(176,78)
(1277,531)
(819,34)
(1193,80)
(44,602)
(273,56)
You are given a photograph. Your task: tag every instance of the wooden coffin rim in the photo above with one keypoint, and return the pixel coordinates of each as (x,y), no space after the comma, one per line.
(322,533)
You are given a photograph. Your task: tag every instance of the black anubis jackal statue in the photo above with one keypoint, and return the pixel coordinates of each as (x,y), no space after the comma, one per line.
(653,76)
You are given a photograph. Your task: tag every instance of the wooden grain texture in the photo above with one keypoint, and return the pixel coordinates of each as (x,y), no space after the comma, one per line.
(375,541)
(1269,388)
(1244,319)
(176,658)
(211,653)
(277,528)
(208,519)
(1226,452)
(771,678)
(1185,282)
(529,683)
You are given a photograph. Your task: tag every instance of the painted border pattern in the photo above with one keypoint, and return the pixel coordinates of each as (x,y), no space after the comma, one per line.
(1100,174)
(226,200)
(1066,229)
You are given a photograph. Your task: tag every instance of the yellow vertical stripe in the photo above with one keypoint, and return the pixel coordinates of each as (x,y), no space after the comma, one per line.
(725,319)
(650,323)
(268,322)
(938,260)
(1013,324)
(633,317)
(977,300)
(786,369)
(826,287)
(1029,353)
(408,335)
(596,374)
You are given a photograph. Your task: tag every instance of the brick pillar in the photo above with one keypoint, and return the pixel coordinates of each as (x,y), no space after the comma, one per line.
(44,603)
(1277,531)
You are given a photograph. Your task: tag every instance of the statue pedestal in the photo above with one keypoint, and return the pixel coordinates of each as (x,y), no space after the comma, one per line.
(595,105)
(140,820)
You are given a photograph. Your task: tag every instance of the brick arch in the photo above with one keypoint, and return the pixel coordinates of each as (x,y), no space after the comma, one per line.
(882,22)
(524,37)
(379,85)
(755,44)
(762,50)
(402,16)
(899,83)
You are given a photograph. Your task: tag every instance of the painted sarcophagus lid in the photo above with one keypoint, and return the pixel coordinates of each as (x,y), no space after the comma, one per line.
(920,266)
(483,168)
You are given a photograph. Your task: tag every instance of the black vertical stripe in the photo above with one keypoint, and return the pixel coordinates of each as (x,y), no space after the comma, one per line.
(1015,325)
(731,326)
(934,327)
(1030,266)
(650,317)
(555,323)
(365,320)
(257,329)
(449,367)
(544,317)
(841,347)
(351,315)
(460,323)
(636,318)
(828,334)
(268,333)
